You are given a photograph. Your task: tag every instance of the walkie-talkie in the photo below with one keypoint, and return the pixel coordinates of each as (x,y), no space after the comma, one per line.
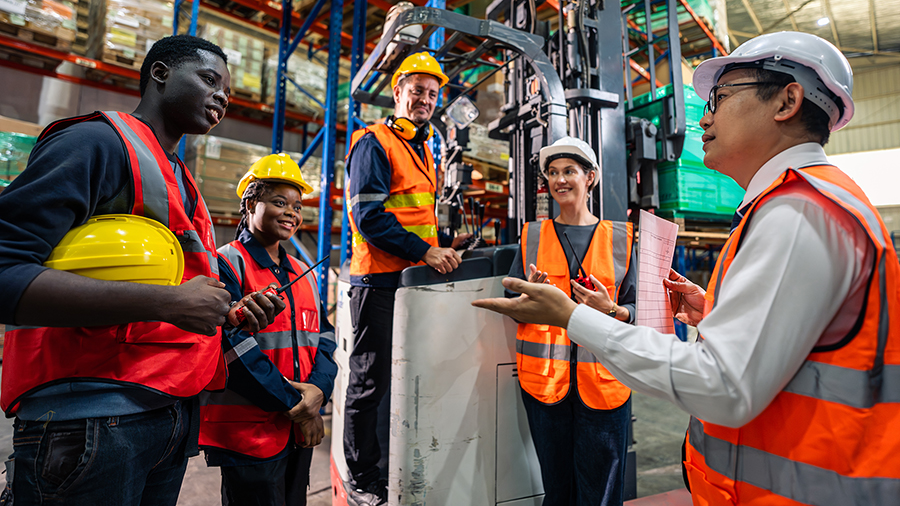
(583,280)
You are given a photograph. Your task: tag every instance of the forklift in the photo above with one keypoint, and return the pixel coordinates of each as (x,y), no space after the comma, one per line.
(454,428)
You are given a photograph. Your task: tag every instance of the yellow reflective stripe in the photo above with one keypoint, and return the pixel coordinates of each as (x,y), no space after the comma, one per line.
(423,231)
(409,200)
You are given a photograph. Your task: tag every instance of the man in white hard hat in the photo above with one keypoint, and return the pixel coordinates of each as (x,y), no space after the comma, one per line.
(796,378)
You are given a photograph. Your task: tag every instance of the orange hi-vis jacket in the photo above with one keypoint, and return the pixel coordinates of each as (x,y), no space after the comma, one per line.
(232,422)
(411,200)
(544,354)
(830,437)
(156,355)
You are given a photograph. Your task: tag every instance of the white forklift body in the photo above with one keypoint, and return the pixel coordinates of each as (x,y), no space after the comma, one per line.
(458,430)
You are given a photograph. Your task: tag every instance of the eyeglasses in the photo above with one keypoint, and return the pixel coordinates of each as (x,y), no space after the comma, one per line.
(713,102)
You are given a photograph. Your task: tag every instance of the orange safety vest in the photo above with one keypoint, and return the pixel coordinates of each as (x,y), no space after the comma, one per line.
(156,355)
(228,420)
(543,352)
(411,200)
(831,436)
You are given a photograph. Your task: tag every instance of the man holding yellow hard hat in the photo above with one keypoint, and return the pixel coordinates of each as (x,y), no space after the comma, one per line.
(391,199)
(111,294)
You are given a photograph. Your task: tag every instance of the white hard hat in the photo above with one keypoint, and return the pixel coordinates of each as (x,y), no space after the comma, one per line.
(576,149)
(824,72)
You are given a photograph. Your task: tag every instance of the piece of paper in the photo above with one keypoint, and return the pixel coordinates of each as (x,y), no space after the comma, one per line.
(656,245)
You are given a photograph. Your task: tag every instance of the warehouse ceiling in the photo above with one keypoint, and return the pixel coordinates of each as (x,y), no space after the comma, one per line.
(866,29)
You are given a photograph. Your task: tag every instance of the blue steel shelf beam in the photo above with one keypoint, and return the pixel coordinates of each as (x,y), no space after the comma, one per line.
(353,120)
(329,140)
(192,30)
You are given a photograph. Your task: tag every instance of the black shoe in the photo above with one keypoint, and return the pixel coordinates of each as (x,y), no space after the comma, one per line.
(373,494)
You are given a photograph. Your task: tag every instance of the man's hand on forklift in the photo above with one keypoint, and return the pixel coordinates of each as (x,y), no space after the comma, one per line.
(539,303)
(308,407)
(459,240)
(443,260)
(259,309)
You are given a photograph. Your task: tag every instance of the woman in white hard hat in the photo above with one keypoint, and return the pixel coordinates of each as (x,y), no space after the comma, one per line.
(262,428)
(577,411)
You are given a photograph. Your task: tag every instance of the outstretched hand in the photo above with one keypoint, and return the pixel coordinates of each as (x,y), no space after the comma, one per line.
(539,303)
(597,299)
(686,298)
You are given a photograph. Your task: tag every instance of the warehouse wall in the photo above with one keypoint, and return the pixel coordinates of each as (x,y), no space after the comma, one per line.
(876,122)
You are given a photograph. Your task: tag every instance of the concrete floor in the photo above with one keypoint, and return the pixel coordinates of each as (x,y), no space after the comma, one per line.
(659,431)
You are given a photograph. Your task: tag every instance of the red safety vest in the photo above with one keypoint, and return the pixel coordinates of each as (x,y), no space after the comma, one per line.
(157,355)
(830,437)
(228,420)
(543,352)
(411,200)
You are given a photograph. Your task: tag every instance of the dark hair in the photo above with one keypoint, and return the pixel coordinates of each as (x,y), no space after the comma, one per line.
(814,118)
(175,50)
(256,190)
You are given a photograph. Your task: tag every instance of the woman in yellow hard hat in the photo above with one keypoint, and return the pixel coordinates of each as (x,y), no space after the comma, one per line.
(261,430)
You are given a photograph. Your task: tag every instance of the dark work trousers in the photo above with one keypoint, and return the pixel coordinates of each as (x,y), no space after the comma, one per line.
(283,482)
(581,450)
(372,315)
(126,460)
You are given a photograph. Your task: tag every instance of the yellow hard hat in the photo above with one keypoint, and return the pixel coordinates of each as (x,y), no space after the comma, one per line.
(278,167)
(121,247)
(420,63)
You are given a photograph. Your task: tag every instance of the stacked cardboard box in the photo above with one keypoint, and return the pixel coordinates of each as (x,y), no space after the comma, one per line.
(309,74)
(45,22)
(246,56)
(132,26)
(89,40)
(218,164)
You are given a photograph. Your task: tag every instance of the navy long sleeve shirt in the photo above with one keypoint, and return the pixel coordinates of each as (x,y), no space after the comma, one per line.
(252,374)
(370,186)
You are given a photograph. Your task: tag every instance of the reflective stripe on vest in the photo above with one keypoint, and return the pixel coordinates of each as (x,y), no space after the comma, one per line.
(543,352)
(423,231)
(825,439)
(229,421)
(800,482)
(411,200)
(156,355)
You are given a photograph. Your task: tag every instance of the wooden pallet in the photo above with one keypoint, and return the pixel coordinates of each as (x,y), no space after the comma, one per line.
(119,58)
(246,94)
(32,60)
(60,39)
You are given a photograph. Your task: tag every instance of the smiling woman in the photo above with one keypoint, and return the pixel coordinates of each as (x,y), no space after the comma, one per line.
(264,446)
(568,412)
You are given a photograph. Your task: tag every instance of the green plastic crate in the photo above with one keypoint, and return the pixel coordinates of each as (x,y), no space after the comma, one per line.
(693,106)
(691,188)
(14,151)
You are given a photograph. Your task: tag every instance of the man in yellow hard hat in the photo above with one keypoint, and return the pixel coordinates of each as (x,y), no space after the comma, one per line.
(103,376)
(391,199)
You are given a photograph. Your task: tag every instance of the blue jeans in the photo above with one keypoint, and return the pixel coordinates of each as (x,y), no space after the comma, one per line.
(581,450)
(127,460)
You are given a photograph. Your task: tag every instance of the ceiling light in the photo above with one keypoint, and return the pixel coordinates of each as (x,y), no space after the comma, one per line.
(823,21)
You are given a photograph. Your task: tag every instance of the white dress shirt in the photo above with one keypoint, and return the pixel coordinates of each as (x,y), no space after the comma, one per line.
(798,279)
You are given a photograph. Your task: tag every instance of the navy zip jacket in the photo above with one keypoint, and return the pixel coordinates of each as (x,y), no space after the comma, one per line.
(370,174)
(252,374)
